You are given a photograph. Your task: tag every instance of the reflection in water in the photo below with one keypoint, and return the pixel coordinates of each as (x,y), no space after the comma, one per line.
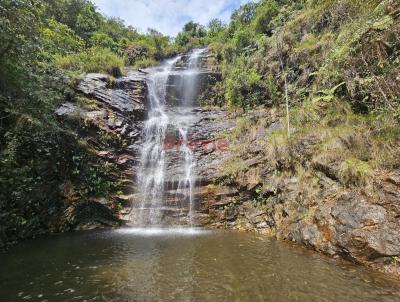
(162,231)
(180,265)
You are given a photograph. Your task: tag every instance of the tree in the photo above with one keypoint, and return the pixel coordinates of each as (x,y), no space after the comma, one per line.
(58,38)
(19,42)
(158,41)
(195,29)
(87,21)
(182,39)
(191,35)
(245,13)
(116,29)
(215,26)
(79,15)
(265,14)
(19,29)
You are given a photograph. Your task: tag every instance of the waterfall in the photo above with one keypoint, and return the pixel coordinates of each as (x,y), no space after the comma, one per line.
(152,171)
(168,122)
(190,91)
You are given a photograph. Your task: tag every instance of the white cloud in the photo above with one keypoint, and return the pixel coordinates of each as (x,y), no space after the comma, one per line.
(167,16)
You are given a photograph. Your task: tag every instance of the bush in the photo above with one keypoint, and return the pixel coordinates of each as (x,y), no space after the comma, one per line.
(93,60)
(58,38)
(103,40)
(143,63)
(354,172)
(244,88)
(265,14)
(242,39)
(138,51)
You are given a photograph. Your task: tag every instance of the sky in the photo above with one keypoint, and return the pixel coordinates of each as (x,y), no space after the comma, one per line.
(167,16)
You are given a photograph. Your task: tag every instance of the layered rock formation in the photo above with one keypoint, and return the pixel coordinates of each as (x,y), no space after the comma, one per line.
(110,120)
(253,190)
(243,179)
(186,79)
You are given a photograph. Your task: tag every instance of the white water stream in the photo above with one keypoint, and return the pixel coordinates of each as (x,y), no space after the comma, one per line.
(164,123)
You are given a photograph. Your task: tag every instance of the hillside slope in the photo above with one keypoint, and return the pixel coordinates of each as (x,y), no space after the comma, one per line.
(329,177)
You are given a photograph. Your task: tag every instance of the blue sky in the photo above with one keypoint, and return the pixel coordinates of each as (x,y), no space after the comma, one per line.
(167,16)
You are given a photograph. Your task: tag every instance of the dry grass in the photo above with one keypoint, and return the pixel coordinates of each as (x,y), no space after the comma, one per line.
(354,172)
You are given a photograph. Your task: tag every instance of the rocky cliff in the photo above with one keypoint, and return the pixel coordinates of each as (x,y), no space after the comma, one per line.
(75,171)
(292,191)
(248,176)
(108,117)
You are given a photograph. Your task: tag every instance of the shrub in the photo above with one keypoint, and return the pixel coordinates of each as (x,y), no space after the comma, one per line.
(137,51)
(93,60)
(143,63)
(244,88)
(354,172)
(242,39)
(309,43)
(265,14)
(58,38)
(103,40)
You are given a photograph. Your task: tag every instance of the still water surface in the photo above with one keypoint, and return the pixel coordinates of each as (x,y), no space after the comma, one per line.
(180,265)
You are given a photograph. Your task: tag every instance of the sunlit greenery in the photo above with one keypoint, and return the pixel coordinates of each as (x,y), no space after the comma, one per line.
(336,61)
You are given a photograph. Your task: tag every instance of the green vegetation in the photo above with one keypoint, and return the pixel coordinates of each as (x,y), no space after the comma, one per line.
(316,45)
(243,87)
(355,172)
(191,36)
(44,47)
(337,61)
(92,60)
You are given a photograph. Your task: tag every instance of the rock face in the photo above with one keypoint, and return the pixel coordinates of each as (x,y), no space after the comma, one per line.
(238,180)
(109,118)
(124,95)
(209,150)
(361,226)
(188,125)
(313,208)
(109,115)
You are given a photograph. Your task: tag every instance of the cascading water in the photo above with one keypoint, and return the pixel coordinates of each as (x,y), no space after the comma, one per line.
(163,122)
(190,91)
(152,171)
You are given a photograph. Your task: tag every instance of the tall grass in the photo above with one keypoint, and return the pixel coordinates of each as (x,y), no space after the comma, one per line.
(92,60)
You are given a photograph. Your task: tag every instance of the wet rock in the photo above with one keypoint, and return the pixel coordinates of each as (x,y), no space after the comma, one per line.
(126,95)
(111,128)
(212,150)
(85,216)
(177,81)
